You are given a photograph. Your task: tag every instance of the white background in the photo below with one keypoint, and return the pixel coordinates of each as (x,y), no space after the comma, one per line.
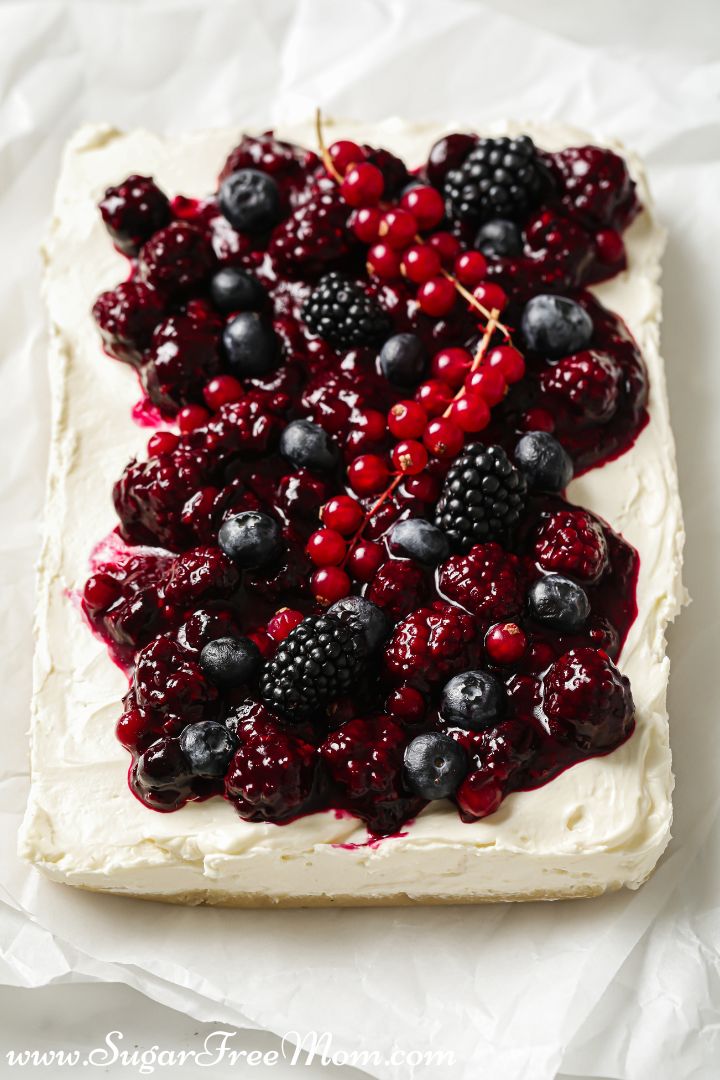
(647,72)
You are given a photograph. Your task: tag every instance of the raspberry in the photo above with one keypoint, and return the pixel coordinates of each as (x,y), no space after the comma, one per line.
(133,211)
(176,258)
(205,573)
(272,774)
(489,582)
(204,625)
(247,426)
(150,495)
(167,679)
(596,185)
(126,317)
(502,751)
(589,382)
(314,236)
(431,643)
(184,355)
(572,542)
(398,586)
(587,701)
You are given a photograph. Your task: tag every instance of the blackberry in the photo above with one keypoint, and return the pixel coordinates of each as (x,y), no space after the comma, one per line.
(499,178)
(483,497)
(340,311)
(319,660)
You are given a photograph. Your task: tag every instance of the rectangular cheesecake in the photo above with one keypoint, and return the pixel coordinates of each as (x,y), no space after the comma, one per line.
(600,825)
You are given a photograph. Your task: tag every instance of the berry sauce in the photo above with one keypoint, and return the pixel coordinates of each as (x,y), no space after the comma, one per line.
(337,288)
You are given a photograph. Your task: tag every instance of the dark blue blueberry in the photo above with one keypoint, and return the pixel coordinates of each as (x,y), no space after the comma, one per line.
(435,765)
(403,359)
(475,700)
(558,602)
(230,661)
(250,539)
(418,539)
(251,345)
(250,200)
(365,616)
(545,463)
(555,325)
(208,747)
(233,289)
(308,446)
(499,238)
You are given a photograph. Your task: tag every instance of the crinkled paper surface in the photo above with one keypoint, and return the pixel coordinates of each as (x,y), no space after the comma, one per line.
(626,986)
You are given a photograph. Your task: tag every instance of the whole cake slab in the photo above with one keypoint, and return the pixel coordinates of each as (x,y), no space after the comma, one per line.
(599,825)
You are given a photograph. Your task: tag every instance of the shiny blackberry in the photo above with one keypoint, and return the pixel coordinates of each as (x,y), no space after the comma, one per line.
(499,178)
(318,661)
(482,499)
(340,311)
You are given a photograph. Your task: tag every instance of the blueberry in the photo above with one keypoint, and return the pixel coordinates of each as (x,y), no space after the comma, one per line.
(230,661)
(435,765)
(251,345)
(472,700)
(418,539)
(366,616)
(309,446)
(233,289)
(545,463)
(555,325)
(403,359)
(250,200)
(557,601)
(250,539)
(208,747)
(499,238)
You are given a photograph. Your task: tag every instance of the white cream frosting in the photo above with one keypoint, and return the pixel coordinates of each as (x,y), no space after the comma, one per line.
(602,824)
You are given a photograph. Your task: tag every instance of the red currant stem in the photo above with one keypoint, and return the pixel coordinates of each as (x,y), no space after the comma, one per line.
(373,510)
(327,160)
(467,295)
(482,348)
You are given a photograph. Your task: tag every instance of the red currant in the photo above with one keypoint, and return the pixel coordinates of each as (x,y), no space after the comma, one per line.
(398,228)
(367,474)
(437,297)
(383,261)
(409,457)
(283,622)
(362,185)
(479,795)
(470,268)
(365,223)
(162,442)
(426,204)
(343,514)
(489,383)
(365,560)
(420,263)
(508,361)
(470,412)
(610,247)
(100,591)
(191,417)
(372,424)
(537,420)
(406,703)
(447,246)
(423,487)
(330,584)
(407,420)
(490,295)
(344,153)
(443,438)
(221,390)
(505,643)
(434,396)
(451,366)
(326,548)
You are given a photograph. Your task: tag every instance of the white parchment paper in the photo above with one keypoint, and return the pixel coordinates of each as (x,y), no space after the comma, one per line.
(627,986)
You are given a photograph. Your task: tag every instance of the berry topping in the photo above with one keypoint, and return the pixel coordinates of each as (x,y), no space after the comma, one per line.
(250,539)
(435,765)
(201,574)
(482,498)
(126,317)
(489,582)
(555,325)
(499,178)
(233,289)
(273,771)
(176,258)
(474,700)
(251,345)
(546,464)
(250,200)
(597,187)
(207,747)
(307,445)
(133,211)
(161,773)
(318,661)
(505,643)
(313,237)
(229,662)
(588,382)
(499,238)
(478,796)
(431,643)
(397,586)
(365,616)
(558,602)
(572,542)
(403,360)
(587,701)
(418,539)
(169,680)
(342,312)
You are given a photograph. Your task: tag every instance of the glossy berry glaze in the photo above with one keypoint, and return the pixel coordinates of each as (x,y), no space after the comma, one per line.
(164,588)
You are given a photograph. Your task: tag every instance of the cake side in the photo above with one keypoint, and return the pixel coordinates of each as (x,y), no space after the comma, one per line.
(602,824)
